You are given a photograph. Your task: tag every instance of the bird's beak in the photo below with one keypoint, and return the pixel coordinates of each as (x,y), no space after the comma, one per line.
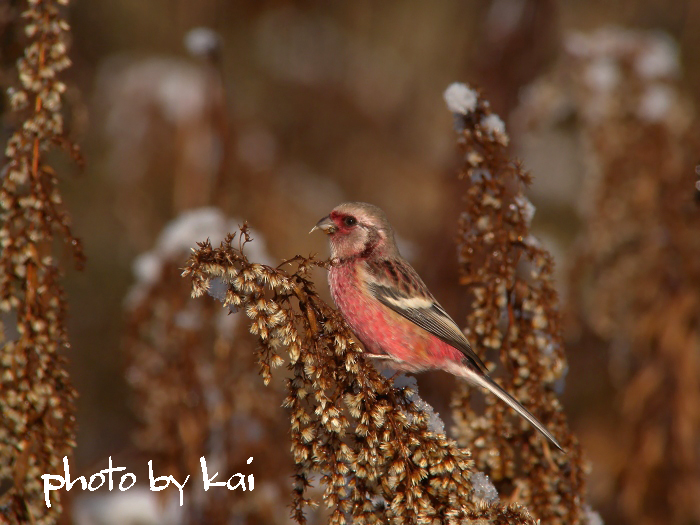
(325,224)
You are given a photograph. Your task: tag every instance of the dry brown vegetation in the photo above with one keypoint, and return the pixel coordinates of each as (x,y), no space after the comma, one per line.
(283,113)
(38,412)
(634,274)
(514,312)
(376,454)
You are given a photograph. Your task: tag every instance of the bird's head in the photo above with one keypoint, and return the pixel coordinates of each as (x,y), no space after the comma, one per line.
(358,229)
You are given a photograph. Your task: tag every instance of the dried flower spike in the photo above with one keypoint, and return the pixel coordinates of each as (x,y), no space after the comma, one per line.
(515,313)
(37,397)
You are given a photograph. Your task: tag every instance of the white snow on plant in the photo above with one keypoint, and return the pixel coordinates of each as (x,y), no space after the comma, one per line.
(435,424)
(202,41)
(602,74)
(655,54)
(180,92)
(138,506)
(473,158)
(560,382)
(609,41)
(460,98)
(655,103)
(493,124)
(484,490)
(527,209)
(404,381)
(659,59)
(217,289)
(532,241)
(180,236)
(495,128)
(591,516)
(654,57)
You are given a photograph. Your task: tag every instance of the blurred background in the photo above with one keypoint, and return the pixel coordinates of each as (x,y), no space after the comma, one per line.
(276,111)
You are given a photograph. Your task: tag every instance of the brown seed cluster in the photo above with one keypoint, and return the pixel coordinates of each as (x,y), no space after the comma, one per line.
(636,279)
(514,316)
(372,448)
(193,371)
(37,398)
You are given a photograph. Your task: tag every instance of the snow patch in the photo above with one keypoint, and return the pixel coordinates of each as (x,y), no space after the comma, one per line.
(484,489)
(493,124)
(591,516)
(460,98)
(138,506)
(435,424)
(527,209)
(655,102)
(202,41)
(179,237)
(602,74)
(659,59)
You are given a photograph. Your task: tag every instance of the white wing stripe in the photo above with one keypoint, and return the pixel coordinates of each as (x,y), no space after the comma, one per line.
(409,302)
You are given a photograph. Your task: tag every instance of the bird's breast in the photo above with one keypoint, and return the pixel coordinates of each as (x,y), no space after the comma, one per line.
(380,329)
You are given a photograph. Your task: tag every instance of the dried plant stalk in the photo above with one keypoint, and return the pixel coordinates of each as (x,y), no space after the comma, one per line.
(193,371)
(37,397)
(374,449)
(515,313)
(635,278)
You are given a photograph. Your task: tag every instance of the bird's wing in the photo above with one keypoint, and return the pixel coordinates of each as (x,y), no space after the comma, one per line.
(395,284)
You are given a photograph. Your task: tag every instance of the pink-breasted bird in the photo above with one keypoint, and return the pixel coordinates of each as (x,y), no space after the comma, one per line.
(390,309)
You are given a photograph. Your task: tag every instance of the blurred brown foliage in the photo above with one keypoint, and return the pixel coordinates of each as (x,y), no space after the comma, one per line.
(305,105)
(635,279)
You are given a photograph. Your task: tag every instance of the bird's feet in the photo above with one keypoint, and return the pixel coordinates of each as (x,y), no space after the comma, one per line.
(389,363)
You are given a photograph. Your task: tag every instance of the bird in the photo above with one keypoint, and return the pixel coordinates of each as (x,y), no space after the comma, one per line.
(390,309)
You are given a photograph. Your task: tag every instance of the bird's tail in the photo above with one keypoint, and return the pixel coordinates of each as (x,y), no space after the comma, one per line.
(479,379)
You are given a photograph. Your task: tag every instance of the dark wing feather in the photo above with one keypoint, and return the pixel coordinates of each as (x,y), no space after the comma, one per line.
(395,284)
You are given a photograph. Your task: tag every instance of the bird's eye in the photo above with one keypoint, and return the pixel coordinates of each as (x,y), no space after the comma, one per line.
(350,221)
